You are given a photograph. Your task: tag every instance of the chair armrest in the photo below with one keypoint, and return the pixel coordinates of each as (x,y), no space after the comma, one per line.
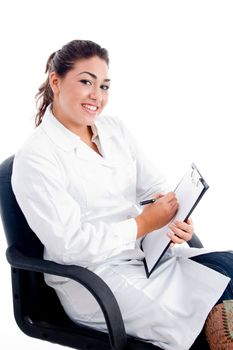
(95,285)
(195,242)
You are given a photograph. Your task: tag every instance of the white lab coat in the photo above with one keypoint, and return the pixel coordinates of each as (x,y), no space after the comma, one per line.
(82,207)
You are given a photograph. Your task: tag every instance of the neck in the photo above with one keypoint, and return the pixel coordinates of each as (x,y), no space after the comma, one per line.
(87,135)
(83,131)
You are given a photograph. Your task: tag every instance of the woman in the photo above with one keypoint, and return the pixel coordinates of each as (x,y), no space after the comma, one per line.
(79,179)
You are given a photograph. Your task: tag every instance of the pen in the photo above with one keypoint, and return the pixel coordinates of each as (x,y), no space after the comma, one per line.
(148,201)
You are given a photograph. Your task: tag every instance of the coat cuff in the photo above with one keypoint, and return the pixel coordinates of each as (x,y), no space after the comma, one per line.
(128,229)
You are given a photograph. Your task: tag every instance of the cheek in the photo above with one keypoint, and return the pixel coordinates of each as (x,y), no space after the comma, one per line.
(74,92)
(105,100)
(74,100)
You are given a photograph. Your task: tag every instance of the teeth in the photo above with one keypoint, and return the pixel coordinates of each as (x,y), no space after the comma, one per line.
(91,108)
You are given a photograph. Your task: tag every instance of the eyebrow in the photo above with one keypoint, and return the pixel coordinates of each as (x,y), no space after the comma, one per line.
(93,76)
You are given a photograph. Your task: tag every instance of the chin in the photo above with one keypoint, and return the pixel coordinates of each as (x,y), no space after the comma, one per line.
(91,120)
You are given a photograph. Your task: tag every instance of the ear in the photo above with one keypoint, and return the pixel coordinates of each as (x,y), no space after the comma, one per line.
(54,82)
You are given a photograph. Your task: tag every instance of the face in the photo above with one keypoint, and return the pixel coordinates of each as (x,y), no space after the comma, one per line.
(82,94)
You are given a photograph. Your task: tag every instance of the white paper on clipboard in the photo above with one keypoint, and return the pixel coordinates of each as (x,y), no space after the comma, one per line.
(188,192)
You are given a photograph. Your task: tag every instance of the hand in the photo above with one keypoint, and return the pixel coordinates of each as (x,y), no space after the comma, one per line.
(157,214)
(181,231)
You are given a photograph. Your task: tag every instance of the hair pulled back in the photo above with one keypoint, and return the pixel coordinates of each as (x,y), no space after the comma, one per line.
(61,62)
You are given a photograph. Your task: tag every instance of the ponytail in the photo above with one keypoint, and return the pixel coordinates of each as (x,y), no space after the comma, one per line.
(45,94)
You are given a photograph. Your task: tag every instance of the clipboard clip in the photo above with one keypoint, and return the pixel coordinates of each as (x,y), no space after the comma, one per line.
(195,176)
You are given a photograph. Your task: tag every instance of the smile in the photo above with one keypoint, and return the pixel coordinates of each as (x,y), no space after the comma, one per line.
(90,108)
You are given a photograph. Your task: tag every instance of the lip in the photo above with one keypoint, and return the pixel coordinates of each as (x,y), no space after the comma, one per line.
(90,108)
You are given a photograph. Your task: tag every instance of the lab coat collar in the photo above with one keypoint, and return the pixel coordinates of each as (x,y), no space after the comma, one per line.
(66,139)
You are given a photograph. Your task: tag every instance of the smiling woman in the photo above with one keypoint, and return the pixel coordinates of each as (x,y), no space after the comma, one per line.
(76,87)
(80,96)
(79,180)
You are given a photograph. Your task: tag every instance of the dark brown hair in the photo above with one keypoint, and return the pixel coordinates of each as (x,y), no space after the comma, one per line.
(62,62)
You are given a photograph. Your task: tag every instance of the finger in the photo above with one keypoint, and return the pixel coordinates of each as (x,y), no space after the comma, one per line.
(189,221)
(184,235)
(170,196)
(174,207)
(175,239)
(185,226)
(158,195)
(173,203)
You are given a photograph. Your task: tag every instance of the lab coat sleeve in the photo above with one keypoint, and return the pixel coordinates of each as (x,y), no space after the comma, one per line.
(149,179)
(39,185)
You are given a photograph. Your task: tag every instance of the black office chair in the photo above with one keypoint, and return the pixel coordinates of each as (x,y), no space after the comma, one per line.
(37,309)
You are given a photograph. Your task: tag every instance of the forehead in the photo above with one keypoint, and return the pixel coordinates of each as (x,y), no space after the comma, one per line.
(94,65)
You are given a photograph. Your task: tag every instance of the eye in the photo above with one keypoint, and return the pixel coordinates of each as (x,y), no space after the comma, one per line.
(104,87)
(85,82)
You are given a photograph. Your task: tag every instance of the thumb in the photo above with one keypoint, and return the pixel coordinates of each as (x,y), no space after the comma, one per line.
(158,195)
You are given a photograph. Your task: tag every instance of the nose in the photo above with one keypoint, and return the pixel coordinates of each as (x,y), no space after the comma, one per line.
(96,95)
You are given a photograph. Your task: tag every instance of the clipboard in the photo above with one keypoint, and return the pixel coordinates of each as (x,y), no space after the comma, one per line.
(189,192)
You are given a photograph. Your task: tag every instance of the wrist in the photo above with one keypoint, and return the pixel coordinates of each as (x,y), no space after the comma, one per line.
(140,226)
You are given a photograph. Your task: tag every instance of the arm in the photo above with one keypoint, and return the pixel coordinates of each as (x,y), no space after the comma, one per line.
(40,188)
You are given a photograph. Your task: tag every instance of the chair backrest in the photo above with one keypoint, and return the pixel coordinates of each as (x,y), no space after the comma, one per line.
(34,299)
(16,228)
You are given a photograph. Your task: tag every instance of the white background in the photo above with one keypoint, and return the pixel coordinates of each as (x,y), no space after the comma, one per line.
(172,84)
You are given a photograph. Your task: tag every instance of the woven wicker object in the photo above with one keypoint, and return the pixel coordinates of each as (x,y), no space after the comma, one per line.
(219,326)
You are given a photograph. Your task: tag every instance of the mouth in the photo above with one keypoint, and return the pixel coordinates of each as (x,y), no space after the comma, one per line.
(90,108)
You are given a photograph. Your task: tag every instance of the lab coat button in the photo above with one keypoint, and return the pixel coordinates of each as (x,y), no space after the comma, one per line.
(129,217)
